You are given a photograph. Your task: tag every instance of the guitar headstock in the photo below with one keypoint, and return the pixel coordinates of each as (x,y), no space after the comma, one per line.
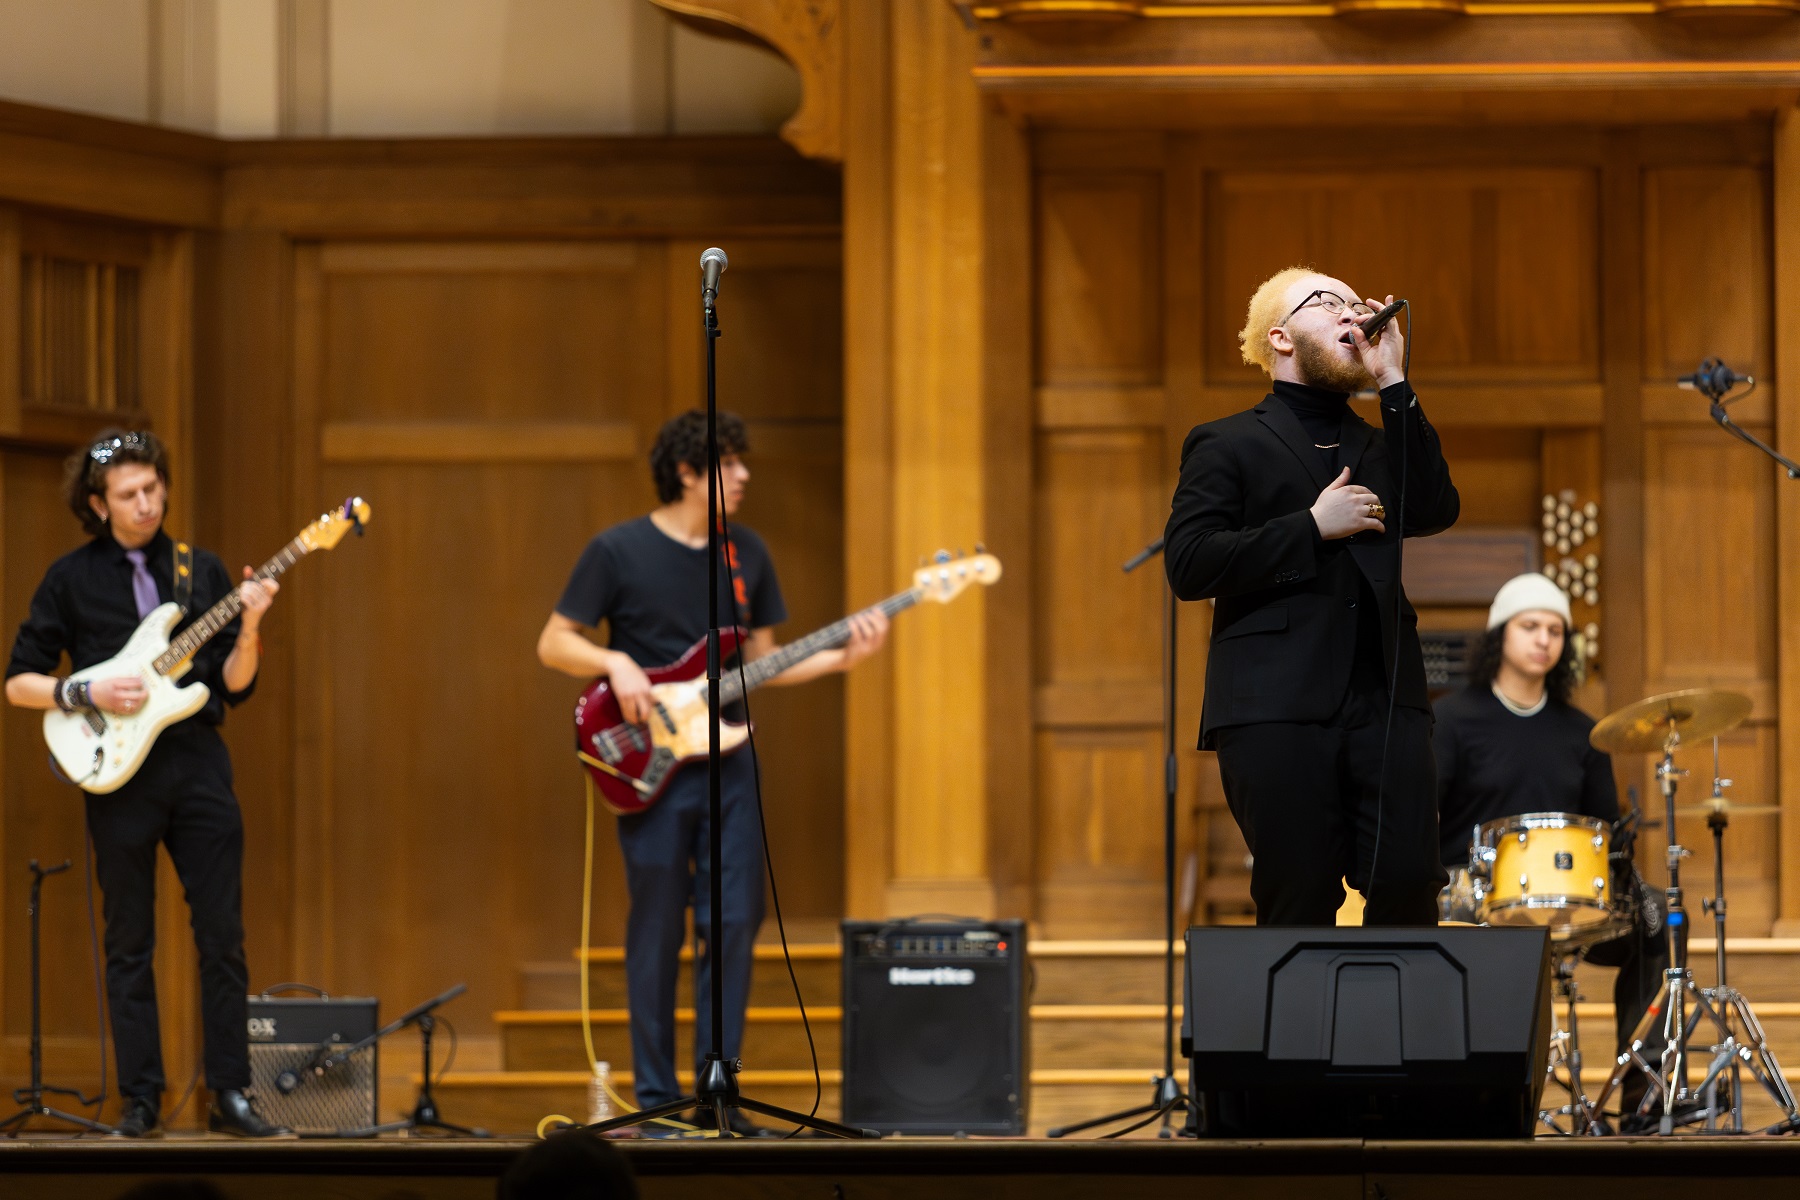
(329,530)
(945,577)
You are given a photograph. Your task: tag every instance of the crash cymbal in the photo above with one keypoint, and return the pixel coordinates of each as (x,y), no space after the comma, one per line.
(1643,728)
(1728,808)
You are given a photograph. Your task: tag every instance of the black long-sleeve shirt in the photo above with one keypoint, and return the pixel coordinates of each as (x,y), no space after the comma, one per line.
(1493,763)
(85,608)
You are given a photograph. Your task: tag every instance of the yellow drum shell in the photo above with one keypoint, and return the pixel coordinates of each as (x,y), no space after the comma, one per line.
(1548,869)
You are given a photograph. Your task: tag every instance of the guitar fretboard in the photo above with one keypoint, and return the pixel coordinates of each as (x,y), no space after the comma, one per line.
(223,613)
(755,674)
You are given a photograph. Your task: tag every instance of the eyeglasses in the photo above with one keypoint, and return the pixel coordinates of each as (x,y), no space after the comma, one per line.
(1332,303)
(103,451)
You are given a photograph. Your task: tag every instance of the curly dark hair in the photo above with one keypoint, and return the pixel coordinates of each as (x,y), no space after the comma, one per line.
(1486,651)
(683,440)
(85,471)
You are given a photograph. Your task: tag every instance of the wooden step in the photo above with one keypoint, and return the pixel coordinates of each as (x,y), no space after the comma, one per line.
(817,966)
(774,1038)
(515,1101)
(1106,972)
(1105,1036)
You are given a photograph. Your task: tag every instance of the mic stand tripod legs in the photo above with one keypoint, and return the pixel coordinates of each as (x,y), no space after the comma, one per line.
(32,1095)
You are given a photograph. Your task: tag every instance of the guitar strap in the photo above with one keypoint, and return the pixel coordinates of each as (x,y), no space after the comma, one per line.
(184,575)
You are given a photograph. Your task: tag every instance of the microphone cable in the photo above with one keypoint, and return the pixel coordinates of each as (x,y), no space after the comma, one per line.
(1387,730)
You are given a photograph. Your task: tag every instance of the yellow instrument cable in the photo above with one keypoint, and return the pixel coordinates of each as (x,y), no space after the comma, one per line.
(548,1124)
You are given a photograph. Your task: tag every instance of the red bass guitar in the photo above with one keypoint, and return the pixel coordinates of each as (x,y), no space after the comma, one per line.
(633,764)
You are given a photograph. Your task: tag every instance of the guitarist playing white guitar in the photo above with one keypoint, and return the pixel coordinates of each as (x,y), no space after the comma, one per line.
(88,607)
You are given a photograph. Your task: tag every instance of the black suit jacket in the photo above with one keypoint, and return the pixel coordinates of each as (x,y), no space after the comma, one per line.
(1240,533)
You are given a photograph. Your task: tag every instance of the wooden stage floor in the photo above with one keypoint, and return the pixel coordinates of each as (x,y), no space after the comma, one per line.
(943,1169)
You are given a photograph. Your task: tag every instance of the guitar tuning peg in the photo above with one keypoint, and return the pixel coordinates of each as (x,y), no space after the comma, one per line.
(980,549)
(943,556)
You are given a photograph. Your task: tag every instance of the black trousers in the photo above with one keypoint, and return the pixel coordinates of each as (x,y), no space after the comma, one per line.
(180,798)
(668,857)
(1305,796)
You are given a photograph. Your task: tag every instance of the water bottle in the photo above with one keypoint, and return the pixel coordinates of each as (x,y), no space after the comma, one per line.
(600,1105)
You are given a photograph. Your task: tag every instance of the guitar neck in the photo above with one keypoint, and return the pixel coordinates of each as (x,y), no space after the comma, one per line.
(754,675)
(224,612)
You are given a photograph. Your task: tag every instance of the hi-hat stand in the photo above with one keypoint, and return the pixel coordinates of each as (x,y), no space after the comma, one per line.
(32,1095)
(1718,1006)
(1166,1097)
(716,1085)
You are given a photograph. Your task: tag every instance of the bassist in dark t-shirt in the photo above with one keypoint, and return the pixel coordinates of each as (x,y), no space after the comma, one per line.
(647,579)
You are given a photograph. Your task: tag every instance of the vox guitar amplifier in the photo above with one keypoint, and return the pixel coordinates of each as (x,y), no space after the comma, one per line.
(292,1035)
(936,1027)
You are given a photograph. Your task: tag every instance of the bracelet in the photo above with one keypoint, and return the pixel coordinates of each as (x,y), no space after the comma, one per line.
(58,694)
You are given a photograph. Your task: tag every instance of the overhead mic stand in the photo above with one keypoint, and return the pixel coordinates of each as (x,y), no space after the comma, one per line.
(425,1111)
(716,1085)
(1167,1096)
(32,1096)
(1714,380)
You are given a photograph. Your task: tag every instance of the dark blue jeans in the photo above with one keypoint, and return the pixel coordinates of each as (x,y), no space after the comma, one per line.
(667,853)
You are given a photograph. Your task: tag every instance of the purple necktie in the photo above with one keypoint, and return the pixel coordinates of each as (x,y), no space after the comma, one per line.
(143,588)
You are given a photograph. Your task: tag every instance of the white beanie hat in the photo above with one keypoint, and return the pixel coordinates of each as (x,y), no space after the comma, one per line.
(1525,593)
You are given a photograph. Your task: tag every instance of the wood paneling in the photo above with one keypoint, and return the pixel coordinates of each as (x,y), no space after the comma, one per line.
(1499,262)
(1706,270)
(1099,241)
(1785,206)
(442,381)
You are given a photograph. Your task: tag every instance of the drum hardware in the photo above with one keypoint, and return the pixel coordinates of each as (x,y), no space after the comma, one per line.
(1566,854)
(1697,713)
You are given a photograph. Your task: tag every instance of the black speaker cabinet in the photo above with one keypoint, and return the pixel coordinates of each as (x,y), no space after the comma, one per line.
(1379,1033)
(936,1027)
(287,1034)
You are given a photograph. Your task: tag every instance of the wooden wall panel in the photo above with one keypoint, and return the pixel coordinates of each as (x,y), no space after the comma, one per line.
(1500,263)
(40,816)
(1099,247)
(1707,268)
(1100,832)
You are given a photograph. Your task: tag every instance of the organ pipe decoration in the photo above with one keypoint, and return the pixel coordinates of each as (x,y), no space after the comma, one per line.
(1571,533)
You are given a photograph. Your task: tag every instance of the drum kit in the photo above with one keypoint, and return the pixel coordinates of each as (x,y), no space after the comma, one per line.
(1556,870)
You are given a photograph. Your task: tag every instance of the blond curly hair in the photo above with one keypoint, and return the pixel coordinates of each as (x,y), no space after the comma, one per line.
(1268,307)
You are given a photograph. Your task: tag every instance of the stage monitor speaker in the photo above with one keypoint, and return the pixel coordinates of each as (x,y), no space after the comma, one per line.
(288,1035)
(936,1027)
(1376,1033)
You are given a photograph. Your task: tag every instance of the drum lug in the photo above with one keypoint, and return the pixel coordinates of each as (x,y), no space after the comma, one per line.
(1524,882)
(1599,885)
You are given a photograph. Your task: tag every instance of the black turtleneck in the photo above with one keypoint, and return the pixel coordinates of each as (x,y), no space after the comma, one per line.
(1321,413)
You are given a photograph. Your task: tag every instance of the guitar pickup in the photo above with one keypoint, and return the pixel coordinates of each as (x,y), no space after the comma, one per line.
(661,761)
(607,747)
(612,745)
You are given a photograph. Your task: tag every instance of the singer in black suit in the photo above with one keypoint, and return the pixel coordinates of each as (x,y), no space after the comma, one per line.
(1288,517)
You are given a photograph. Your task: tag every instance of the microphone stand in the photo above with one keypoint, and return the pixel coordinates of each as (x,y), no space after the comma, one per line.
(1167,1096)
(31,1097)
(716,1085)
(425,1111)
(1713,380)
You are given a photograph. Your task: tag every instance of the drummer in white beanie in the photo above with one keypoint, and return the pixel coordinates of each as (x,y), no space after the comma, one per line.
(1511,742)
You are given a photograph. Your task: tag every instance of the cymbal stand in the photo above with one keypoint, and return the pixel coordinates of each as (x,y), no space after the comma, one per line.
(1733,1053)
(1565,1054)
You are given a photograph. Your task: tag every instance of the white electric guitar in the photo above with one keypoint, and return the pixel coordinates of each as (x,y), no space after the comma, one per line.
(100,751)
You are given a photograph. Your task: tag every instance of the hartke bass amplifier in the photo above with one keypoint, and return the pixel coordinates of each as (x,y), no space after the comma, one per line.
(288,1035)
(1379,1032)
(936,1027)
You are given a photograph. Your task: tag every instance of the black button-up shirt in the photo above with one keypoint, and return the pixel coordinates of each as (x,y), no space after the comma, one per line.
(85,609)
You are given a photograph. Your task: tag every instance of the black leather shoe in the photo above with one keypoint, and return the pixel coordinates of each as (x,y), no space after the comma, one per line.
(139,1119)
(233,1113)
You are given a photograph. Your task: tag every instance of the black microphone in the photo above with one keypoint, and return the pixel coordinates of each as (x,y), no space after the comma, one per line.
(712,264)
(1372,327)
(290,1079)
(1713,379)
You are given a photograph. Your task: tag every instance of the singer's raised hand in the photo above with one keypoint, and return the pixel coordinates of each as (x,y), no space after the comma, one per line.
(1384,357)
